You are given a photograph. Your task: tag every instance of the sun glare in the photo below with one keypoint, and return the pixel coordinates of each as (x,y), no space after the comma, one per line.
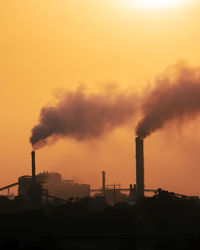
(155,4)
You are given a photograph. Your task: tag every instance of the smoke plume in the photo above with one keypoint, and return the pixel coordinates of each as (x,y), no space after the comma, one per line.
(83,116)
(176,96)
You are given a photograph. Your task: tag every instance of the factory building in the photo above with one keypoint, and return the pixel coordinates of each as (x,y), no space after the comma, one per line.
(52,184)
(33,188)
(62,188)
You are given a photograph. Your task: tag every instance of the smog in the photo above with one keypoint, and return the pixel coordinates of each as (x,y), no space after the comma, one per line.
(176,96)
(83,116)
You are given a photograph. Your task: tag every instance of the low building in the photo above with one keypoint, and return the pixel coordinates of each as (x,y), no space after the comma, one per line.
(53,184)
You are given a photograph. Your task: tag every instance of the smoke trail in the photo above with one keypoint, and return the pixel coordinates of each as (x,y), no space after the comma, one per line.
(82,116)
(176,95)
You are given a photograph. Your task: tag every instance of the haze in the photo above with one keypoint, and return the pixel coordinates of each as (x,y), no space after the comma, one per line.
(46,45)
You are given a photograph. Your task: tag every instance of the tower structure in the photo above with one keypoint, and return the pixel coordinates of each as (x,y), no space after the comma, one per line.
(103,182)
(139,167)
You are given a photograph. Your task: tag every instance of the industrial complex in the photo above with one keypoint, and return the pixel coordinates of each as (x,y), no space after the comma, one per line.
(49,186)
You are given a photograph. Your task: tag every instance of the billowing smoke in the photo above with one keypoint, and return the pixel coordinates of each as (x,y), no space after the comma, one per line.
(176,96)
(83,116)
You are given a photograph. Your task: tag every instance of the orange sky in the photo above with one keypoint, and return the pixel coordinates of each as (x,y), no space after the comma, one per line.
(47,44)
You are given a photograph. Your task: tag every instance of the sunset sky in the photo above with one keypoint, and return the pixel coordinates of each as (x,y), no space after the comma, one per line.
(51,44)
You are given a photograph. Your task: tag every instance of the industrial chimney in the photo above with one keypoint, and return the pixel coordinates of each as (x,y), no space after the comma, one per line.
(35,191)
(33,165)
(139,167)
(103,181)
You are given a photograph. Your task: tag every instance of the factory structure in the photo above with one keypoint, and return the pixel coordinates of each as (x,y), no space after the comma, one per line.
(139,167)
(137,191)
(46,186)
(37,188)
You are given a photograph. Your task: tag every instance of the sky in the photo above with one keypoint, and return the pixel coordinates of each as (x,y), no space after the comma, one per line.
(54,44)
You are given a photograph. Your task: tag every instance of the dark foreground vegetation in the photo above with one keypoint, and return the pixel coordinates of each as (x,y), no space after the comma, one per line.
(161,222)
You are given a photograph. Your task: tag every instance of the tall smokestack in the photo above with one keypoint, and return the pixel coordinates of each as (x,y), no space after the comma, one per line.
(103,182)
(33,165)
(139,167)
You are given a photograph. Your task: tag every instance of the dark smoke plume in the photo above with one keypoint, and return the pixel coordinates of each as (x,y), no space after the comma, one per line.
(176,95)
(82,117)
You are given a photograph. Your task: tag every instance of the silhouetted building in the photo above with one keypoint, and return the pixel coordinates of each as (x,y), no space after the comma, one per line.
(113,195)
(24,186)
(52,184)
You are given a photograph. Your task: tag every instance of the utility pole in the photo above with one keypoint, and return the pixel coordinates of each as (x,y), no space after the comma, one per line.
(114,191)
